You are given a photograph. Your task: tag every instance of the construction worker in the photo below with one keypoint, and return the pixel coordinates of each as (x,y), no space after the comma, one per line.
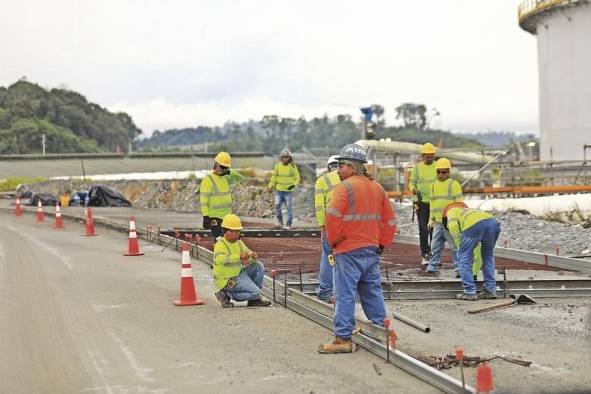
(215,194)
(470,227)
(359,224)
(323,189)
(421,178)
(444,191)
(477,258)
(237,273)
(284,179)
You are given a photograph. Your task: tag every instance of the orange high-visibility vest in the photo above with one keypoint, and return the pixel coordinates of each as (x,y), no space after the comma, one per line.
(359,215)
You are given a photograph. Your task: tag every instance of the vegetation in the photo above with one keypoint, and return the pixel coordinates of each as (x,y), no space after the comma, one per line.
(11,183)
(273,133)
(69,122)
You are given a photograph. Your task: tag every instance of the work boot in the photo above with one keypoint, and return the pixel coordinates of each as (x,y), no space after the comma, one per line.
(458,274)
(258,302)
(339,345)
(487,295)
(431,273)
(467,297)
(224,299)
(279,223)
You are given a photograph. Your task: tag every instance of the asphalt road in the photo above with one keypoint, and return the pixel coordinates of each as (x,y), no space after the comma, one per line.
(78,316)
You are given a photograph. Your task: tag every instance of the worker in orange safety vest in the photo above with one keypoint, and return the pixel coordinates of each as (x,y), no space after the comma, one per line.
(359,224)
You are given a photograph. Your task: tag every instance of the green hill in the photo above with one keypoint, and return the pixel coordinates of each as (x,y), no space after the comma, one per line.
(69,122)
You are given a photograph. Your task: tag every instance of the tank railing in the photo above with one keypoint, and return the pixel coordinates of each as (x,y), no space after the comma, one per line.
(531,7)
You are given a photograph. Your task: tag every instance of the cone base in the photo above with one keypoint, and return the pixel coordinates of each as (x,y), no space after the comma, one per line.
(89,235)
(187,303)
(133,254)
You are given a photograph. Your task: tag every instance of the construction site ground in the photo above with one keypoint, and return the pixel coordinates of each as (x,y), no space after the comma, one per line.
(115,317)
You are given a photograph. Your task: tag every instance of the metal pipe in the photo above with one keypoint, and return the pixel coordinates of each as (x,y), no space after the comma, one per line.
(411,322)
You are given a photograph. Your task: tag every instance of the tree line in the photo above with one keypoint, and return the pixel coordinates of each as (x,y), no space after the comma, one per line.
(69,122)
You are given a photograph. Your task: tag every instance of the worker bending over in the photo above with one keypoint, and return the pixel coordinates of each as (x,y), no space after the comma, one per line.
(323,190)
(359,224)
(237,273)
(284,179)
(469,227)
(215,195)
(421,179)
(444,191)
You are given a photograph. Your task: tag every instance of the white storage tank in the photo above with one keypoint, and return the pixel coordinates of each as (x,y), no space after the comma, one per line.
(563,28)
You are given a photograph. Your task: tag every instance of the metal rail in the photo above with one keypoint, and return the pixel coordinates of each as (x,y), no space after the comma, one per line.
(251,233)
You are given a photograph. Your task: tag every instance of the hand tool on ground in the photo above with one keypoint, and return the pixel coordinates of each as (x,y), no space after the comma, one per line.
(387,325)
(411,322)
(460,357)
(521,299)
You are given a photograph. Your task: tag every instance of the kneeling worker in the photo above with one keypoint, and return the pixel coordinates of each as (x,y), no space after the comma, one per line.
(237,273)
(469,227)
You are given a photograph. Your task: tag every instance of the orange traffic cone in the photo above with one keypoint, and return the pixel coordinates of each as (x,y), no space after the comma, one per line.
(484,379)
(188,294)
(58,218)
(18,211)
(89,223)
(40,215)
(134,248)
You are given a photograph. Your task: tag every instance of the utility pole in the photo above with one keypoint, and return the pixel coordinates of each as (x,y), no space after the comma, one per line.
(43,143)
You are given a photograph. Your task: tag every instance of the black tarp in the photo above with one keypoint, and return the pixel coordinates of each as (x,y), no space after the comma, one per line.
(46,199)
(102,196)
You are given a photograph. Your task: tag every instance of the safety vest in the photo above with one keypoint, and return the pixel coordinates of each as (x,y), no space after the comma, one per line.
(421,178)
(215,195)
(359,215)
(323,193)
(226,260)
(461,219)
(284,176)
(443,194)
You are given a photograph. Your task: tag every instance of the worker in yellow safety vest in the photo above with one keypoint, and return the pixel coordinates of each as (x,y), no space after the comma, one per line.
(323,189)
(215,195)
(284,179)
(469,228)
(444,191)
(237,273)
(421,178)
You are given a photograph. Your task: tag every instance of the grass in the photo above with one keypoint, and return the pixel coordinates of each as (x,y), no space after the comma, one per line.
(10,183)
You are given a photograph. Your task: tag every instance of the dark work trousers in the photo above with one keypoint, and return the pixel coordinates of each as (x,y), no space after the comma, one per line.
(423,219)
(216,228)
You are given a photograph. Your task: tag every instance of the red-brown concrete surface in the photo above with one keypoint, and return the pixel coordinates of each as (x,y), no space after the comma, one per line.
(293,254)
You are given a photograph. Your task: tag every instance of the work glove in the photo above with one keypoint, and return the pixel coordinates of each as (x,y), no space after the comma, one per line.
(290,187)
(380,250)
(431,224)
(206,222)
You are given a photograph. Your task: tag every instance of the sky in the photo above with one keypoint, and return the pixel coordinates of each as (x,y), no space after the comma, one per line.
(183,63)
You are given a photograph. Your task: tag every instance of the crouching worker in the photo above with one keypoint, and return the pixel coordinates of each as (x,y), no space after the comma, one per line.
(469,228)
(237,273)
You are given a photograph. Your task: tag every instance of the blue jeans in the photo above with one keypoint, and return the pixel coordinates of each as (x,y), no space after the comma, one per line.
(326,287)
(357,271)
(487,232)
(280,198)
(248,283)
(440,236)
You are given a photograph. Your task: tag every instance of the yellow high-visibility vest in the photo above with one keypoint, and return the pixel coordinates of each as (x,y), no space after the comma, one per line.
(226,260)
(284,176)
(421,178)
(323,193)
(215,195)
(443,194)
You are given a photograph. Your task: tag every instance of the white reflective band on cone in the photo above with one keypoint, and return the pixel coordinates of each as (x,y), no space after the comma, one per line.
(132,225)
(58,214)
(187,273)
(132,234)
(186,258)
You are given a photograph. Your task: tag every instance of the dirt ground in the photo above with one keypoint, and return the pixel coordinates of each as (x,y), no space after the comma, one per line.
(554,334)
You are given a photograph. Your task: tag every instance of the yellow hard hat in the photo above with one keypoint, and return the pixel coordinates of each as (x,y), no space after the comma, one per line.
(232,222)
(449,207)
(428,149)
(442,164)
(223,159)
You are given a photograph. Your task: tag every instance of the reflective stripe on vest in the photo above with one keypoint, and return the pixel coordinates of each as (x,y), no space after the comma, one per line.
(348,217)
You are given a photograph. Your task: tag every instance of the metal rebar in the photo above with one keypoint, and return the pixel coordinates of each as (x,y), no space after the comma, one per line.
(388,281)
(411,322)
(285,290)
(301,283)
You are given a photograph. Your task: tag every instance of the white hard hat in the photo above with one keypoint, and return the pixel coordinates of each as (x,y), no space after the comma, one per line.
(332,160)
